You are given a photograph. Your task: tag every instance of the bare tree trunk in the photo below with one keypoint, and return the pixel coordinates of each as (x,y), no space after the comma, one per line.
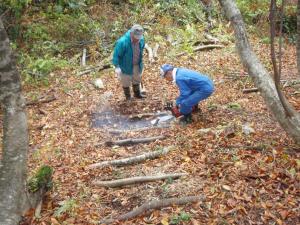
(260,75)
(298,37)
(15,137)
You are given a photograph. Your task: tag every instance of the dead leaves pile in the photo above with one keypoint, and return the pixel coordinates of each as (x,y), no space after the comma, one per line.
(247,179)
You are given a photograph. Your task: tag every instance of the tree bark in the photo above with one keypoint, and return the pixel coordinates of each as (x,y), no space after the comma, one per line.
(260,75)
(15,136)
(298,37)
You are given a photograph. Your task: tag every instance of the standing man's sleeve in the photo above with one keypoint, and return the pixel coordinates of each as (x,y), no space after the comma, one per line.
(118,53)
(185,91)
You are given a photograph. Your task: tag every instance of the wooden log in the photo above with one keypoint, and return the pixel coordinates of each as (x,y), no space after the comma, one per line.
(134,141)
(155,204)
(250,90)
(137,180)
(132,160)
(202,47)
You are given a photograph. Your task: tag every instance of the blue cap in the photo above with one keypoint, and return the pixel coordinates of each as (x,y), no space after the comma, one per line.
(165,68)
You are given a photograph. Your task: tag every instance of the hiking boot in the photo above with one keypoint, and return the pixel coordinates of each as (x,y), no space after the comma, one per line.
(186,119)
(137,91)
(196,109)
(127,93)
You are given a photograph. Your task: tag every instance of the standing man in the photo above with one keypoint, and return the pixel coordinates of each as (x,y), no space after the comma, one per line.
(193,86)
(128,60)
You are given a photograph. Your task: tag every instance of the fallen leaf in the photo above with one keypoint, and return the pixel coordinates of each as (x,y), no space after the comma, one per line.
(226,187)
(165,221)
(194,222)
(54,221)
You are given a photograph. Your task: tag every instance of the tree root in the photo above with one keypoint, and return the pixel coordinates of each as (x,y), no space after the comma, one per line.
(155,204)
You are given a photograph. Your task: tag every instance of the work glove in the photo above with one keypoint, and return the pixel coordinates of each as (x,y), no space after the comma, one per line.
(175,111)
(168,106)
(118,73)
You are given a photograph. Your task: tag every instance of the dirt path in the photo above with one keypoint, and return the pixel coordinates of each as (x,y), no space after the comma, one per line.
(246,179)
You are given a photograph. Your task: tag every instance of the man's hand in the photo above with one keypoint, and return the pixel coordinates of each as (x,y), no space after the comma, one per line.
(118,72)
(175,111)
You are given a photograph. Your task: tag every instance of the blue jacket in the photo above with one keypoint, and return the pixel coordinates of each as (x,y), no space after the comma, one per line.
(123,54)
(193,87)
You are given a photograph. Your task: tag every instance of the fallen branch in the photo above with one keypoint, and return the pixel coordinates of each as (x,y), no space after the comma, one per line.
(150,53)
(155,204)
(133,141)
(250,90)
(136,180)
(95,69)
(39,101)
(131,160)
(143,115)
(211,38)
(202,47)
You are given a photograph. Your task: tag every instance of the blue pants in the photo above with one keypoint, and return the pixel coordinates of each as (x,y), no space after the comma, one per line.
(194,98)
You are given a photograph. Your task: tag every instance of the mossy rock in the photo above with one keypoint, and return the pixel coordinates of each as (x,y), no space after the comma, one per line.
(42,179)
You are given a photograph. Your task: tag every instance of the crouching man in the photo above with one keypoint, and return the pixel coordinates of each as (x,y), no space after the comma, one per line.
(193,86)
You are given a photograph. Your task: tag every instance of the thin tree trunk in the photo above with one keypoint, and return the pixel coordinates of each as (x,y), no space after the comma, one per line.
(15,137)
(277,69)
(260,75)
(298,37)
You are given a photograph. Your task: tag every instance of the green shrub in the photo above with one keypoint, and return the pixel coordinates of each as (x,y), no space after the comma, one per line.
(43,178)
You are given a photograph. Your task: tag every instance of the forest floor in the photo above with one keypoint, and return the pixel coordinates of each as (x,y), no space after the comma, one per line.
(243,178)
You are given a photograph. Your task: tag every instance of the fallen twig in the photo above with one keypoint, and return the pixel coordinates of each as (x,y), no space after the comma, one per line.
(250,90)
(202,47)
(133,141)
(39,101)
(143,115)
(131,160)
(136,180)
(155,204)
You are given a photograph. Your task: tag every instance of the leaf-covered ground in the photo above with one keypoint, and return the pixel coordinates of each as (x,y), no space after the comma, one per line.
(245,178)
